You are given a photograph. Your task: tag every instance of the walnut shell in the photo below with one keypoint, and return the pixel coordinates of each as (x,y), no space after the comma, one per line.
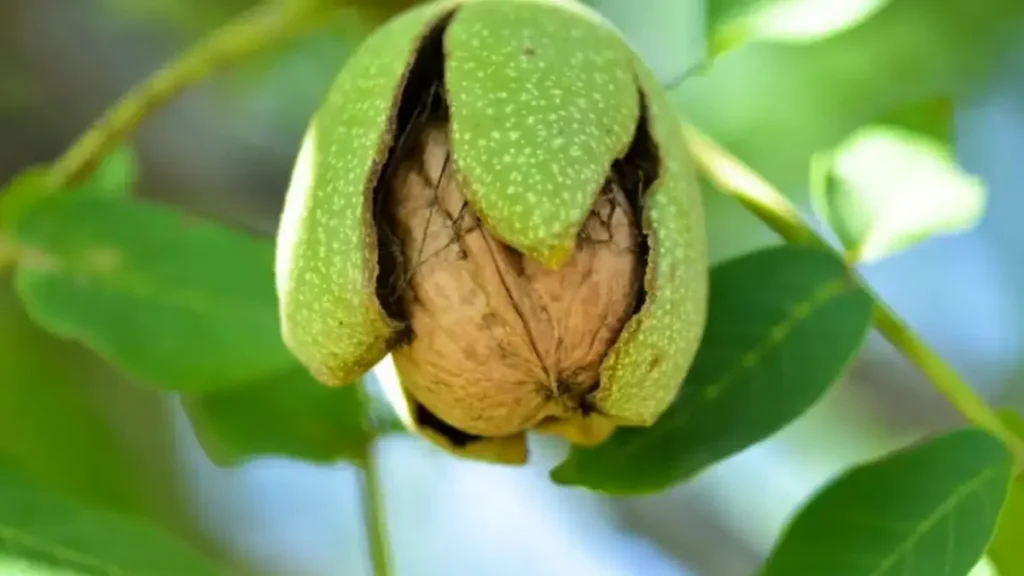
(501,343)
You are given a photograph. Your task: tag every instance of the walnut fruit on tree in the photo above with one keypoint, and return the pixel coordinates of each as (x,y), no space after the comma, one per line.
(497,193)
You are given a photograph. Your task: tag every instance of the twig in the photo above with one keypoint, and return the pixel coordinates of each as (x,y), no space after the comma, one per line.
(374,512)
(740,181)
(263,27)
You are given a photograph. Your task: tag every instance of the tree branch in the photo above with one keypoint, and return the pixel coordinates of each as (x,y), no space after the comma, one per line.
(262,27)
(740,181)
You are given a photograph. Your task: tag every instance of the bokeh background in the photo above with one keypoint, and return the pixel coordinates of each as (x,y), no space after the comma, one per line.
(225,149)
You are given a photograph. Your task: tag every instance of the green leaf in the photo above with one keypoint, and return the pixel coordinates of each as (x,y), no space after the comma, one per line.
(1005,550)
(928,510)
(27,188)
(735,22)
(43,533)
(289,414)
(887,188)
(115,176)
(782,325)
(178,302)
(53,424)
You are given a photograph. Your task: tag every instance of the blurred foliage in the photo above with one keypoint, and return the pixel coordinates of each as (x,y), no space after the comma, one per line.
(785,84)
(147,288)
(190,17)
(775,105)
(732,23)
(46,533)
(18,91)
(288,414)
(71,423)
(47,414)
(886,188)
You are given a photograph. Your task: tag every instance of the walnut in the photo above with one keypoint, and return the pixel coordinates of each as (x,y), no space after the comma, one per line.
(515,220)
(501,343)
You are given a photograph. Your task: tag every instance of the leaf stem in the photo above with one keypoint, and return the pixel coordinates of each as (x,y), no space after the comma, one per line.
(374,513)
(262,27)
(740,181)
(942,375)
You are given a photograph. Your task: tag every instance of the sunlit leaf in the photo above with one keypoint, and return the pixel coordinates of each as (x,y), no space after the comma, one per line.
(178,302)
(985,567)
(928,510)
(887,188)
(289,414)
(45,534)
(775,105)
(735,22)
(782,325)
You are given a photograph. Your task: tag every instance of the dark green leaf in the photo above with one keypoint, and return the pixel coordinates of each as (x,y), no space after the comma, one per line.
(782,325)
(52,423)
(290,414)
(180,303)
(887,187)
(43,533)
(735,22)
(928,510)
(1006,550)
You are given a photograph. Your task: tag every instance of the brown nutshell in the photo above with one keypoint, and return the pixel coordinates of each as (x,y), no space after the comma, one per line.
(499,343)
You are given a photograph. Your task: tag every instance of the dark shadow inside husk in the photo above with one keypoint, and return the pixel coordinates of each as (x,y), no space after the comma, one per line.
(422,100)
(635,173)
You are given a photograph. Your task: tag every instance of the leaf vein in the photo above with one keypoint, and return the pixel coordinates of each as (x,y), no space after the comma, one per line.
(799,312)
(67,556)
(947,507)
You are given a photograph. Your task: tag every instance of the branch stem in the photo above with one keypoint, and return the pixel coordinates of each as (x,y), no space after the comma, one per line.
(738,180)
(265,26)
(374,513)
